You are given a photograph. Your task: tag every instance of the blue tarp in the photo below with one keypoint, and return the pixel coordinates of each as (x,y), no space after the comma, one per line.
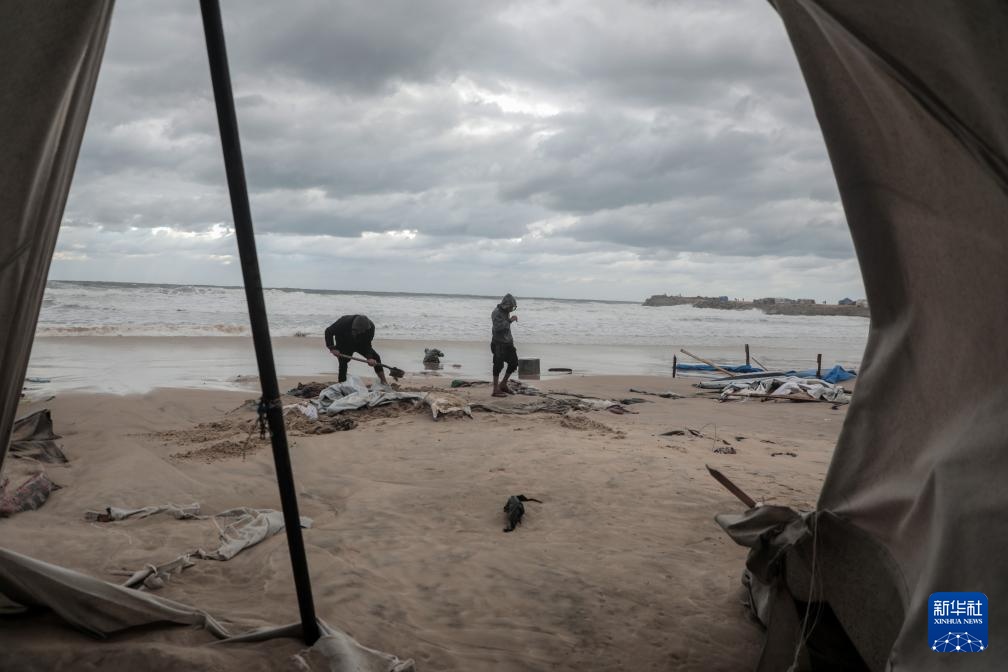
(739,368)
(837,374)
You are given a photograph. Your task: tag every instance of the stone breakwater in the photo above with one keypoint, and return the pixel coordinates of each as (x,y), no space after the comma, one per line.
(768,308)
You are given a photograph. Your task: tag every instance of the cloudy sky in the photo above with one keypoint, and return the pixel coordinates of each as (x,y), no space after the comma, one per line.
(549,148)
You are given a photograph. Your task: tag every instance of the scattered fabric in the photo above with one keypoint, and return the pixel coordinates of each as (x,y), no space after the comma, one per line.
(354,394)
(663,395)
(633,400)
(786,387)
(28,496)
(32,437)
(788,453)
(112,513)
(546,402)
(837,374)
(32,379)
(445,403)
(306,409)
(247,527)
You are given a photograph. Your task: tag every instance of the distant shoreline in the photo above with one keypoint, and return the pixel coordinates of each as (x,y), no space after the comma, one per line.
(810,309)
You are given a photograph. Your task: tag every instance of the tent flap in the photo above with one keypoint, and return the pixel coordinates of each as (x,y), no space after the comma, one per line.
(912,99)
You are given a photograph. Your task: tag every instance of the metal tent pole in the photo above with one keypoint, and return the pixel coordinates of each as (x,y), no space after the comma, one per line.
(228,122)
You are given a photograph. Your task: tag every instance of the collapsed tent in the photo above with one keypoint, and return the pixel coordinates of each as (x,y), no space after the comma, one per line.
(912,99)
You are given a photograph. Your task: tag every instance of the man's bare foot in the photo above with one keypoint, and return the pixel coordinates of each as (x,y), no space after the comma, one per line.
(506,388)
(498,393)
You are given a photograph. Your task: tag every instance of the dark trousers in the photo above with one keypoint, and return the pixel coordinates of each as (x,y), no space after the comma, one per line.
(504,353)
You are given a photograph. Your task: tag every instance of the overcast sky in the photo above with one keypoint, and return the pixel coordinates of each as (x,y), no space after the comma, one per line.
(550,148)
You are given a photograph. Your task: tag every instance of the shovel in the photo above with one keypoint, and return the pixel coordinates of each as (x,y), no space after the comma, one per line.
(394,371)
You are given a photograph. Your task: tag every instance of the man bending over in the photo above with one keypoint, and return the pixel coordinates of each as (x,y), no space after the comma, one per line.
(350,334)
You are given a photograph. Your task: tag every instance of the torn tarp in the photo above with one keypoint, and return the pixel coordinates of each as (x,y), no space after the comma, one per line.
(354,394)
(246,528)
(33,437)
(785,387)
(28,496)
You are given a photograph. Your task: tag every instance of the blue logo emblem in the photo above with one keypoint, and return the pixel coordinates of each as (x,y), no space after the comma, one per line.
(957,622)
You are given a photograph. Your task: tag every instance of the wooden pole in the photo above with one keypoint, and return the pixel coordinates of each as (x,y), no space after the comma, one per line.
(707,362)
(818,369)
(759,363)
(731,487)
(747,354)
(675,363)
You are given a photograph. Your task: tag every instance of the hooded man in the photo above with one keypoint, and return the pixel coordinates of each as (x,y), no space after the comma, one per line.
(502,344)
(350,334)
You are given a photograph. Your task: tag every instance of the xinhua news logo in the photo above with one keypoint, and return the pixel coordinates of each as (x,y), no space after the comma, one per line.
(957,622)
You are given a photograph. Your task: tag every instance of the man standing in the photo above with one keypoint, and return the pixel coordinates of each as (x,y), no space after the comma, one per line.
(502,344)
(350,334)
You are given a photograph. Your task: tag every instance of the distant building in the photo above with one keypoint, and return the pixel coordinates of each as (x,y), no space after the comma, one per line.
(723,299)
(764,302)
(846,302)
(806,301)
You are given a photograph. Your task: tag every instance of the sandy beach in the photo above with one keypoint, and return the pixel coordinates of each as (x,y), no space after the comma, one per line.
(620,568)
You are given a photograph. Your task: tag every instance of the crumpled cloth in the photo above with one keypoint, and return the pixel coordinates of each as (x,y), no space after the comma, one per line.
(247,528)
(101,609)
(784,386)
(354,394)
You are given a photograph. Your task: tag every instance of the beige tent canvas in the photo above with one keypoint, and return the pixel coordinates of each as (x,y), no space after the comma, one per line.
(912,100)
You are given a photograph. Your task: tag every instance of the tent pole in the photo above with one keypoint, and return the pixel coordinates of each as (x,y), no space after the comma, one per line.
(228,122)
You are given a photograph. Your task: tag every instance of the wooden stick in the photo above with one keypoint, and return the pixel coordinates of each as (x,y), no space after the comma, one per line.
(708,363)
(818,371)
(747,354)
(675,363)
(731,487)
(759,364)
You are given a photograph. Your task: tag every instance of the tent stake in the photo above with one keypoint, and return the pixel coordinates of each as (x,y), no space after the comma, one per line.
(228,122)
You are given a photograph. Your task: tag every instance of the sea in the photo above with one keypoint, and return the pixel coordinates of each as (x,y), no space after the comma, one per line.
(128,337)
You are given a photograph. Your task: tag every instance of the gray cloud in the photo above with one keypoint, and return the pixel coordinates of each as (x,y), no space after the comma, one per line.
(565,139)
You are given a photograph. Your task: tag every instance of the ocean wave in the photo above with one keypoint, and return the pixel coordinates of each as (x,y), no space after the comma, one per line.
(147,330)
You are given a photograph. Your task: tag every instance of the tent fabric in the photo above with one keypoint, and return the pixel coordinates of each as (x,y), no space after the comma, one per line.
(33,437)
(52,50)
(911,98)
(104,609)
